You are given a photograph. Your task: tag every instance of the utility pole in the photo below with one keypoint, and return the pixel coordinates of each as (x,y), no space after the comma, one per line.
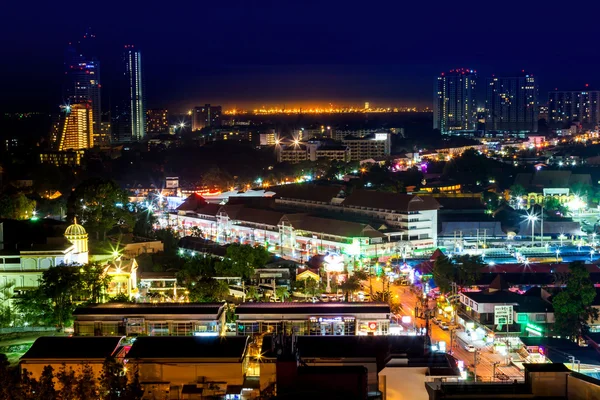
(475,361)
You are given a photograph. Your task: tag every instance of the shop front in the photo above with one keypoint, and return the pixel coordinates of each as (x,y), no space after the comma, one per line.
(318,319)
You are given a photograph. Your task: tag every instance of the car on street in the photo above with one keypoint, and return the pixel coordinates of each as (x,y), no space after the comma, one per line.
(444,325)
(470,348)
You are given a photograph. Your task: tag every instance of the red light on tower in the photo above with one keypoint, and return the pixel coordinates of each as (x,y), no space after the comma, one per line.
(587,85)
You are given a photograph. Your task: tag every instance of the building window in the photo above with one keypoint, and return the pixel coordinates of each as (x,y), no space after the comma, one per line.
(109,329)
(158,329)
(84,329)
(182,329)
(540,317)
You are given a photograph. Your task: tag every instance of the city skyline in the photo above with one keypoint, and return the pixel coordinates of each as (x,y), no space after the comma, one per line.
(320,55)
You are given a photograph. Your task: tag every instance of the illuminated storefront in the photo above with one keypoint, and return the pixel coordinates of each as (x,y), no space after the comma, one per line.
(343,319)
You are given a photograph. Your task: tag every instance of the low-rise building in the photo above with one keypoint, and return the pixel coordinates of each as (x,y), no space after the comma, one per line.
(71,352)
(193,367)
(161,319)
(341,319)
(374,145)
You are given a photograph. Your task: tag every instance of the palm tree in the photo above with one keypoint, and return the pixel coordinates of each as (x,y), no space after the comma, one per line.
(252,293)
(282,292)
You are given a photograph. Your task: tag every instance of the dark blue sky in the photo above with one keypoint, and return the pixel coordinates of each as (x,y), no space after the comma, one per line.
(249,53)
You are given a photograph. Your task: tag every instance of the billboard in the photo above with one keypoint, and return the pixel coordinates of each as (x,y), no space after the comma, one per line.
(503,315)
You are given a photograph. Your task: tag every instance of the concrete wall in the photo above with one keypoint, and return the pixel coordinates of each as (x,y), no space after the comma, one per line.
(548,383)
(578,389)
(403,383)
(37,368)
(179,374)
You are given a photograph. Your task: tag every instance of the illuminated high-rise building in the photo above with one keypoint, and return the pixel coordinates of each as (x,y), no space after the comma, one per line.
(578,106)
(76,130)
(129,117)
(82,76)
(206,116)
(157,120)
(454,102)
(511,104)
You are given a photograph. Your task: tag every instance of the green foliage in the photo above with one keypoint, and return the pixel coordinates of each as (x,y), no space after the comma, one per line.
(553,204)
(443,273)
(53,302)
(573,305)
(86,386)
(195,268)
(208,290)
(120,298)
(282,293)
(582,190)
(464,271)
(241,260)
(100,205)
(144,221)
(113,380)
(351,285)
(16,206)
(517,191)
(252,293)
(218,178)
(170,240)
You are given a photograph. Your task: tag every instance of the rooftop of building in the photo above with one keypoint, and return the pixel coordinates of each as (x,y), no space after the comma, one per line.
(308,192)
(390,201)
(152,347)
(551,179)
(72,347)
(149,308)
(312,308)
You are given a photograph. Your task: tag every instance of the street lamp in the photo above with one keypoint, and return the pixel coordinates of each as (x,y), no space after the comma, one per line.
(592,252)
(557,253)
(532,218)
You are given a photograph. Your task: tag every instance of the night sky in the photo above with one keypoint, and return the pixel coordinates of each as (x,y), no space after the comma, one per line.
(251,53)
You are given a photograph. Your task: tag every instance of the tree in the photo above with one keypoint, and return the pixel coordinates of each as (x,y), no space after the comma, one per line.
(93,281)
(517,191)
(282,292)
(241,260)
(6,311)
(207,290)
(144,224)
(53,302)
(101,205)
(16,206)
(252,293)
(113,379)
(46,384)
(170,240)
(350,286)
(553,204)
(86,386)
(468,270)
(573,305)
(134,387)
(195,268)
(29,386)
(443,273)
(68,382)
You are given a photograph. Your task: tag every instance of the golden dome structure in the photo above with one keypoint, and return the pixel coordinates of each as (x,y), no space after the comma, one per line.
(77,235)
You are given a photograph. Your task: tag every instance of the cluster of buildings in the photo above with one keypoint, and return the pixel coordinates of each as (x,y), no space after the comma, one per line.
(299,221)
(82,124)
(29,248)
(512,105)
(194,367)
(350,148)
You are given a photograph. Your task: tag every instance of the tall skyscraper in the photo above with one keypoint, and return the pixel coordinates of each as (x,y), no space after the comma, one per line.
(566,107)
(129,116)
(76,130)
(203,117)
(82,77)
(511,104)
(454,102)
(157,120)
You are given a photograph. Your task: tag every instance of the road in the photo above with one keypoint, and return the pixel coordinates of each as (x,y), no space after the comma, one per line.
(407,297)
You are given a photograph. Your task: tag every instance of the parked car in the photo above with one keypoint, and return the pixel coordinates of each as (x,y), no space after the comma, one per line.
(444,325)
(470,348)
(436,321)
